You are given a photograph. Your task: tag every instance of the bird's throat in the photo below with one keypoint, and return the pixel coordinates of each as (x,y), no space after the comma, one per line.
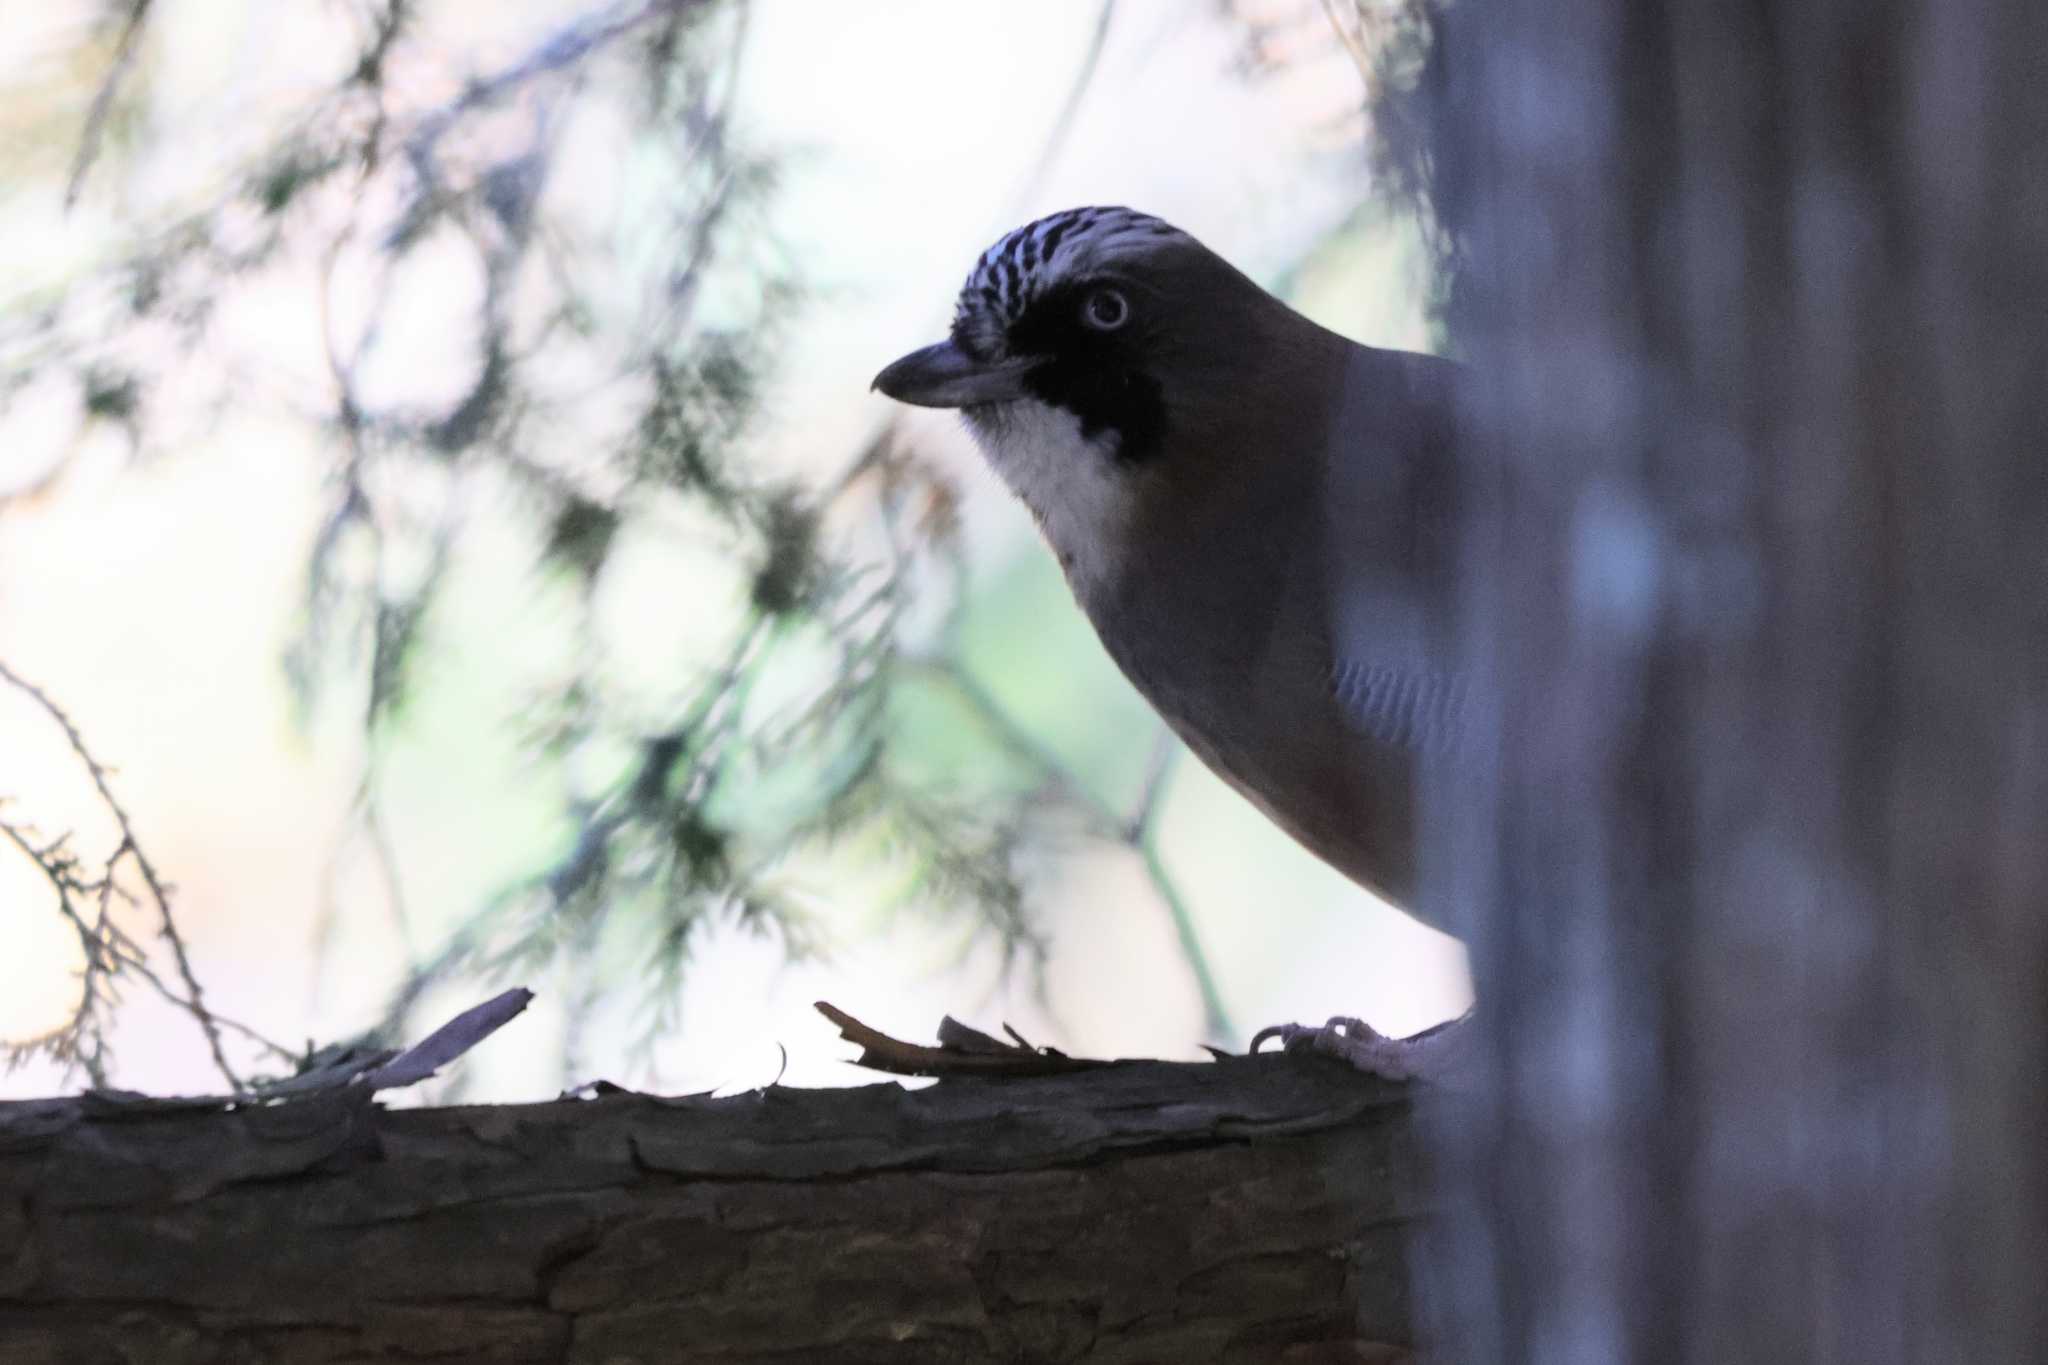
(1071,479)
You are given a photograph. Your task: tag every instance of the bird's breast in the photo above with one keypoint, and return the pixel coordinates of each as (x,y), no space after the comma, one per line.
(1250,696)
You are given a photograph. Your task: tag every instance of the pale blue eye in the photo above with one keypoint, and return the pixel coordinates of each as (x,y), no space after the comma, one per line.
(1106,310)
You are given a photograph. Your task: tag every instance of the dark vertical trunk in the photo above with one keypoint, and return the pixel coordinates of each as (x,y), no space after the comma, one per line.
(1759,909)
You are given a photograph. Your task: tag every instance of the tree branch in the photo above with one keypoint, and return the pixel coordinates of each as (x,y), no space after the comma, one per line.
(1250,1210)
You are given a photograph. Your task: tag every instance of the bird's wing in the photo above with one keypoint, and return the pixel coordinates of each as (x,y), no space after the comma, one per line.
(1391,498)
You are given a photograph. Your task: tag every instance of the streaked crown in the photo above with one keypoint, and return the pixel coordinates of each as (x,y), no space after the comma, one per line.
(1021,267)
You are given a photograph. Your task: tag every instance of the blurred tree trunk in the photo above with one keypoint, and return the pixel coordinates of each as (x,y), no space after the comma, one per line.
(1253,1210)
(1759,906)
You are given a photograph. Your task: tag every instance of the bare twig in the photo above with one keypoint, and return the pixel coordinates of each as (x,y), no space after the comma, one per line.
(1142,834)
(1137,831)
(80,1039)
(1157,769)
(1021,744)
(1215,1019)
(103,935)
(1063,124)
(103,100)
(1355,32)
(563,48)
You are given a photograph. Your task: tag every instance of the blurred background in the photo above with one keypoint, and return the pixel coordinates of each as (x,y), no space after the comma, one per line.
(439,481)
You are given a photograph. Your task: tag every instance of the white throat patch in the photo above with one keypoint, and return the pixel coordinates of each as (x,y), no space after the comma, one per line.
(1072,483)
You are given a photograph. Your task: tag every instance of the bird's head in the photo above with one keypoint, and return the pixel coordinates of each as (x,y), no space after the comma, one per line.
(1099,349)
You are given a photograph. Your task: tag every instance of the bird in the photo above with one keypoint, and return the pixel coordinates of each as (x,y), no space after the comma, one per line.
(1256,514)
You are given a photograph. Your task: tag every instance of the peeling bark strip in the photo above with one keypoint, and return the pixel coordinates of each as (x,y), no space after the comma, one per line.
(962,1051)
(1253,1209)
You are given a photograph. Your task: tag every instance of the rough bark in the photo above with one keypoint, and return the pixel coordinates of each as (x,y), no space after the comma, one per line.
(1759,909)
(1250,1210)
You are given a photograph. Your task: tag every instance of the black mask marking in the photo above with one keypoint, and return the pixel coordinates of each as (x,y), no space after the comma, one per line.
(1096,376)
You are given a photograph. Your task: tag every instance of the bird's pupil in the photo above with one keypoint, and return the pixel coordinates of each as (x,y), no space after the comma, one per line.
(1106,308)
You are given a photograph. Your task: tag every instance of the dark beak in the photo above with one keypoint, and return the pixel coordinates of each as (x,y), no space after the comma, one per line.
(944,376)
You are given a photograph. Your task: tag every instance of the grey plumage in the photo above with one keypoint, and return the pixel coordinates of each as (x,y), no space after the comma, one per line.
(1256,513)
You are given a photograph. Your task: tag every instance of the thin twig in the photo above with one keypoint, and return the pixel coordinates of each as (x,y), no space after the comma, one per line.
(1157,768)
(1215,1018)
(277,1051)
(1138,831)
(1143,835)
(103,99)
(1022,745)
(66,1039)
(1354,40)
(1063,124)
(193,1001)
(564,47)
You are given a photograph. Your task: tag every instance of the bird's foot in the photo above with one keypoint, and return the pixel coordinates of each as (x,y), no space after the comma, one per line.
(1428,1055)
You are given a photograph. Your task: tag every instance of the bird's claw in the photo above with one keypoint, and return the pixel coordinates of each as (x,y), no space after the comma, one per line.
(1353,1042)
